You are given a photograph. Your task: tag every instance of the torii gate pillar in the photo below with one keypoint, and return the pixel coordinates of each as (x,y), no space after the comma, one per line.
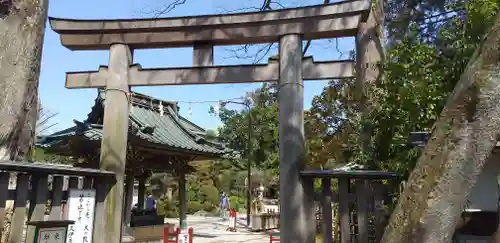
(114,139)
(296,212)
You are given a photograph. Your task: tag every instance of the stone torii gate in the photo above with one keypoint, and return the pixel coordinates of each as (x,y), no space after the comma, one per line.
(289,27)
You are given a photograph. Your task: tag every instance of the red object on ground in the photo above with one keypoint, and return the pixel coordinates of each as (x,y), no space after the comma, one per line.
(273,239)
(190,232)
(232,220)
(167,234)
(173,237)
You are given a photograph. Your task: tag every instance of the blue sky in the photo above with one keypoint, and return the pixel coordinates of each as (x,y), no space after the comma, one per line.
(76,103)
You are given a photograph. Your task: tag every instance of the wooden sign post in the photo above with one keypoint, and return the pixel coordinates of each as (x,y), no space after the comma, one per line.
(81,205)
(53,231)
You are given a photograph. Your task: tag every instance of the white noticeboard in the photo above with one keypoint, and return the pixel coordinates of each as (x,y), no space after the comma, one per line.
(51,235)
(183,236)
(81,204)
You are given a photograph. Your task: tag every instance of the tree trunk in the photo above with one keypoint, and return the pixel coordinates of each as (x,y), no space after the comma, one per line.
(22,27)
(462,140)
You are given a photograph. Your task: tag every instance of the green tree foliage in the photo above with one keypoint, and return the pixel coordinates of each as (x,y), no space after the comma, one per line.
(430,44)
(331,126)
(264,122)
(40,155)
(418,76)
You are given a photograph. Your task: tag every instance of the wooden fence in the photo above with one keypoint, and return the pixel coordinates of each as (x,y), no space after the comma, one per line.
(33,191)
(359,204)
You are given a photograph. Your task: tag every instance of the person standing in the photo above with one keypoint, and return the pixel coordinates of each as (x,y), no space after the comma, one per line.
(150,202)
(224,204)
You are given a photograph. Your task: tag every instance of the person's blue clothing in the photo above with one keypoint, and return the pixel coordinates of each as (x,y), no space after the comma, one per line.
(150,203)
(224,202)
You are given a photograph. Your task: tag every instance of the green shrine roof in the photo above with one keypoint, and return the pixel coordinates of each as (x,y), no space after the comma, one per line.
(152,120)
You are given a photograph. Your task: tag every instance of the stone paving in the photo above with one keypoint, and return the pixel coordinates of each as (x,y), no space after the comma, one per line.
(213,230)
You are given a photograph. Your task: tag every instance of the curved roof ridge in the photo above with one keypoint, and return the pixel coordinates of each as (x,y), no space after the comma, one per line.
(136,100)
(175,117)
(97,102)
(152,99)
(192,124)
(197,138)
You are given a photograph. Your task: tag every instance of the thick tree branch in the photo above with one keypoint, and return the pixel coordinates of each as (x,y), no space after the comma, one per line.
(462,140)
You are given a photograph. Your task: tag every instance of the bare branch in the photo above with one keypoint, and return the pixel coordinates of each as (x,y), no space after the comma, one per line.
(164,9)
(337,46)
(277,3)
(225,10)
(247,51)
(44,119)
(308,44)
(266,5)
(264,50)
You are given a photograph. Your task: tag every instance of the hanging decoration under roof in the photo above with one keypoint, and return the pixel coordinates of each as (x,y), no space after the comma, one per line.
(160,107)
(213,109)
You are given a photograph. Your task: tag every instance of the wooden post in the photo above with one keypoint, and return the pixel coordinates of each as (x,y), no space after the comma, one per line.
(309,207)
(87,183)
(380,214)
(114,139)
(18,216)
(4,192)
(57,195)
(129,193)
(203,55)
(38,198)
(345,224)
(327,210)
(102,186)
(295,224)
(72,183)
(182,198)
(141,194)
(362,197)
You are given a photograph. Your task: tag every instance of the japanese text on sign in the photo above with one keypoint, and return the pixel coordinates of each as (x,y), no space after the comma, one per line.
(51,235)
(81,205)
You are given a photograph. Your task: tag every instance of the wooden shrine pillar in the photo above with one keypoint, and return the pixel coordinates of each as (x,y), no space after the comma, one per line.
(182,198)
(114,139)
(129,194)
(141,194)
(369,54)
(297,217)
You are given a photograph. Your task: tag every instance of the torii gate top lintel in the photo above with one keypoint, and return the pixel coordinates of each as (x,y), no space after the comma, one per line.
(339,19)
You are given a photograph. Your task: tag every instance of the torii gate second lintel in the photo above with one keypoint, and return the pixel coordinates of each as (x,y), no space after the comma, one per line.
(289,27)
(212,74)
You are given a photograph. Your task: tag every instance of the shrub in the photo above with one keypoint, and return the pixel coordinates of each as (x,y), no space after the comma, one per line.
(168,208)
(237,202)
(208,207)
(194,206)
(210,194)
